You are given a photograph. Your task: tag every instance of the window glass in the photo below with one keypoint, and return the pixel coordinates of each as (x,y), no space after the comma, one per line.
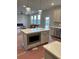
(31,19)
(39,19)
(47,22)
(34,19)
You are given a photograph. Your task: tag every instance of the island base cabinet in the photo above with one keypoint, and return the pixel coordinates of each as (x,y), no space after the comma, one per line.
(49,56)
(34,37)
(33,45)
(44,37)
(25,41)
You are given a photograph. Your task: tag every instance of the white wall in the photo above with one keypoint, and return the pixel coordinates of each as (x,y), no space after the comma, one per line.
(23,19)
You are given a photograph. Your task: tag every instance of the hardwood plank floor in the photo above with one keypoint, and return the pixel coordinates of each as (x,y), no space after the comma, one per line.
(32,53)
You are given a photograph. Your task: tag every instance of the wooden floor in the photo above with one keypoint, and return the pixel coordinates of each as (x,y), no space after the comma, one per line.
(32,53)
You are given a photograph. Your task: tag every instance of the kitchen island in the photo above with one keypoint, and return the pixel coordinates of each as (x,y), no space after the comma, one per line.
(53,50)
(34,37)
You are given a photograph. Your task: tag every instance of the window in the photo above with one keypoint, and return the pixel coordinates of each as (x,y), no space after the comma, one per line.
(35,19)
(31,19)
(47,22)
(39,18)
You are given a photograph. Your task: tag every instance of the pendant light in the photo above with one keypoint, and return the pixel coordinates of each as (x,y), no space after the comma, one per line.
(40,10)
(28,9)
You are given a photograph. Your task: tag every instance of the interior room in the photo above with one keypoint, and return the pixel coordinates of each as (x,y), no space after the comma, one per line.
(38,29)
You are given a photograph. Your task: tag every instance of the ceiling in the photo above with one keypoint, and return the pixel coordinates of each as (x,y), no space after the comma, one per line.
(35,4)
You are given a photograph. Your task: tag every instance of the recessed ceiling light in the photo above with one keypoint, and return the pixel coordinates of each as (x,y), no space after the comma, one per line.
(52,3)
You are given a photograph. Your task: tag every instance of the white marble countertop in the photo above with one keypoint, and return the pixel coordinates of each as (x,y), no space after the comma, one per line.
(33,30)
(56,27)
(54,48)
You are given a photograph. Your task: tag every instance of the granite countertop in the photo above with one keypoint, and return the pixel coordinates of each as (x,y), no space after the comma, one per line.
(54,48)
(33,30)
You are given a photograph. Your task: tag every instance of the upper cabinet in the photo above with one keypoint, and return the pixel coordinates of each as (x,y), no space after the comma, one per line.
(57,14)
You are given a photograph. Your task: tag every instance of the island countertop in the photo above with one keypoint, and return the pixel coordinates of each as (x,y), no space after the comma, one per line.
(56,27)
(54,48)
(33,30)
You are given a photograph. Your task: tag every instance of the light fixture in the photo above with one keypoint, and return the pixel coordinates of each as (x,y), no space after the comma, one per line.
(40,10)
(52,3)
(28,9)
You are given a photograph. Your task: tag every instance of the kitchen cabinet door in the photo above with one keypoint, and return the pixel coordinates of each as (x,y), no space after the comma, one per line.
(57,15)
(44,37)
(49,56)
(57,32)
(51,30)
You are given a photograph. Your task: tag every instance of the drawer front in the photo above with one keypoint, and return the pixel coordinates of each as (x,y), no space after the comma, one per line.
(49,56)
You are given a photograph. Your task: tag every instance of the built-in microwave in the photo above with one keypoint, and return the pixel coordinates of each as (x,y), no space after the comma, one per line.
(33,38)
